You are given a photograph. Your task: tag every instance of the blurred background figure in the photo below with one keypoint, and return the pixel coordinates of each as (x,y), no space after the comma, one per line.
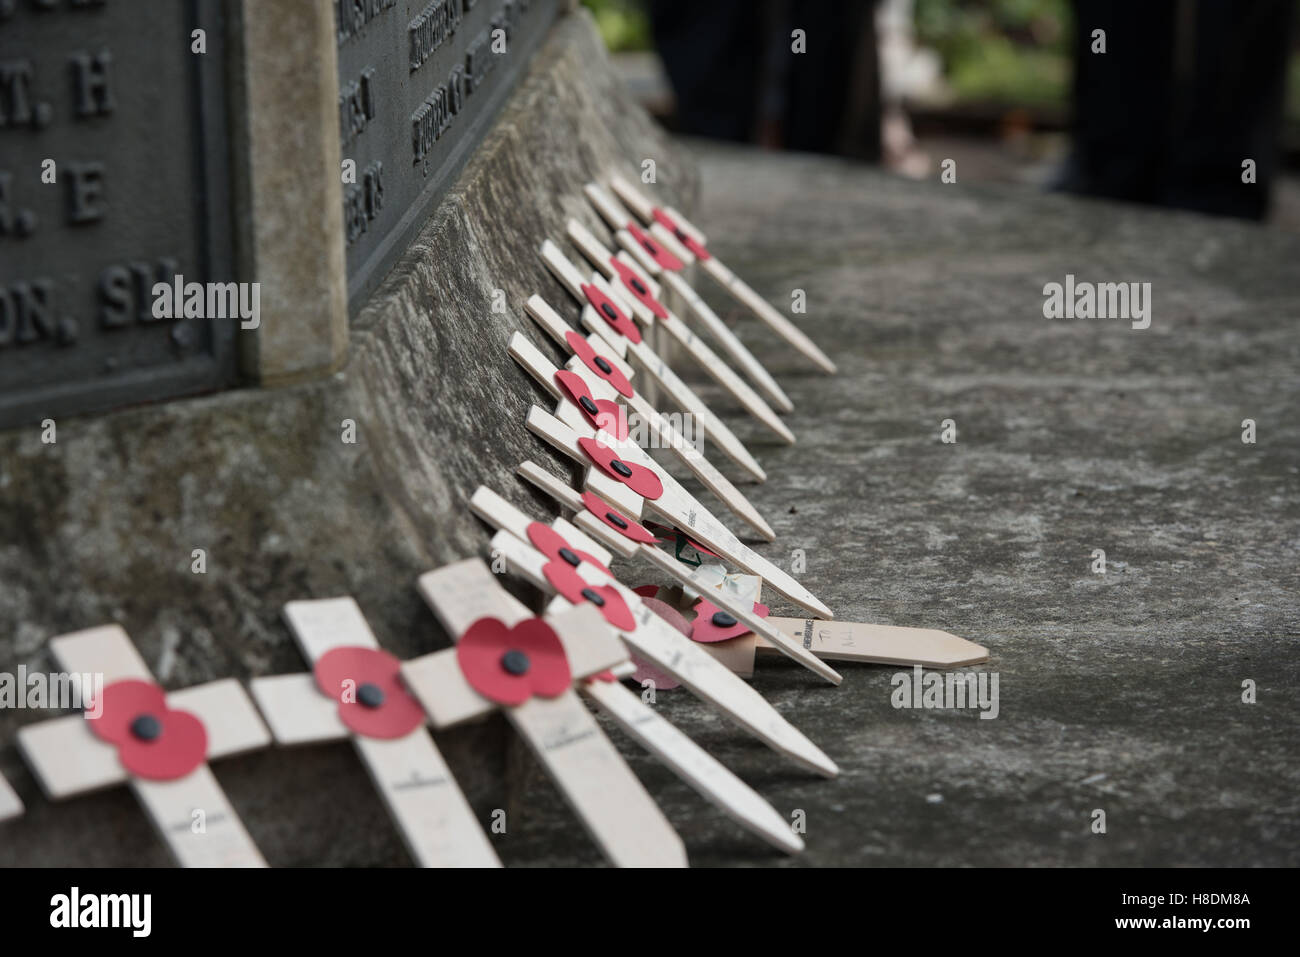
(1184,94)
(1172,97)
(784,74)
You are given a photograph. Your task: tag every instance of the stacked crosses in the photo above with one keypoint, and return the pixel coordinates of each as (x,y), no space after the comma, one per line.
(703,631)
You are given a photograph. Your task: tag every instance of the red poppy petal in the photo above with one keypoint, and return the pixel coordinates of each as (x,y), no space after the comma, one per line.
(121,703)
(656,250)
(341,673)
(638,288)
(182,747)
(627,527)
(548,668)
(639,478)
(704,630)
(550,543)
(683,237)
(567,582)
(601,413)
(479,655)
(606,676)
(589,356)
(646,591)
(608,310)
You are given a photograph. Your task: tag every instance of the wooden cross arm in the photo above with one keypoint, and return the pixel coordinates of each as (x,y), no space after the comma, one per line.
(10,804)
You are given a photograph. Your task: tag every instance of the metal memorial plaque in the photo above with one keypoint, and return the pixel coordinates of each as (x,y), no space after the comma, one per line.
(420,82)
(113,178)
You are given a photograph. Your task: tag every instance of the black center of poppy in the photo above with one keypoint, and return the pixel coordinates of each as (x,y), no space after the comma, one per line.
(721,619)
(603,365)
(594,597)
(639,286)
(616,519)
(621,468)
(650,247)
(146,727)
(681,235)
(590,406)
(372,696)
(610,312)
(515,662)
(570,556)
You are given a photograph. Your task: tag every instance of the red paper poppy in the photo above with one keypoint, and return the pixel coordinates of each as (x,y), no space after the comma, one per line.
(713,624)
(564,578)
(601,413)
(637,287)
(656,251)
(367,684)
(598,364)
(608,310)
(646,591)
(627,527)
(510,665)
(636,477)
(683,237)
(554,546)
(606,676)
(153,741)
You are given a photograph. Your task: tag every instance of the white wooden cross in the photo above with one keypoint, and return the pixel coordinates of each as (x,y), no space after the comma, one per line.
(10,804)
(829,640)
(602,392)
(478,677)
(641,276)
(687,243)
(638,294)
(184,801)
(642,630)
(435,820)
(674,503)
(648,361)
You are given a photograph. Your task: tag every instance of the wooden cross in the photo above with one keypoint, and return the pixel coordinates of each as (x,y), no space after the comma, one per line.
(639,293)
(10,804)
(385,724)
(641,629)
(576,439)
(647,360)
(603,400)
(830,640)
(623,536)
(505,658)
(687,244)
(633,265)
(158,743)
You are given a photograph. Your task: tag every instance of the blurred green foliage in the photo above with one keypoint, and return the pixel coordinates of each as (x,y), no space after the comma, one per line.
(623,24)
(1011,51)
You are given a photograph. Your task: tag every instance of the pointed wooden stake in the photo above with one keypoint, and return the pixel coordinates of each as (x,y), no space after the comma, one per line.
(682,239)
